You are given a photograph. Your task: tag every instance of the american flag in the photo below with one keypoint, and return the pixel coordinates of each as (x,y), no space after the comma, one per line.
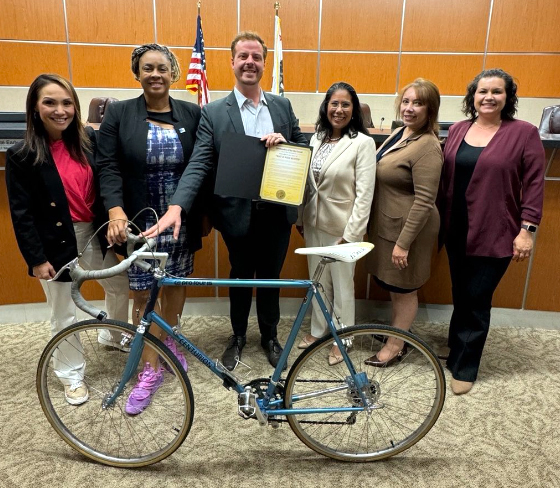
(197,82)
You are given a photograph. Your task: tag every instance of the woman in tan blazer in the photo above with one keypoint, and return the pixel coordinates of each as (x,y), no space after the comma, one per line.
(404,220)
(338,200)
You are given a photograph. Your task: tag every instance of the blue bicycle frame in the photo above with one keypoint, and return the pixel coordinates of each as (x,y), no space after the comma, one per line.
(269,405)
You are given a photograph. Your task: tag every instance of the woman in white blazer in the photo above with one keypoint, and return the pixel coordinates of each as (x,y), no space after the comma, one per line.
(337,202)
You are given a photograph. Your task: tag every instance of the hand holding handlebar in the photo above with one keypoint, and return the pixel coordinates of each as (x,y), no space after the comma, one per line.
(80,275)
(171,218)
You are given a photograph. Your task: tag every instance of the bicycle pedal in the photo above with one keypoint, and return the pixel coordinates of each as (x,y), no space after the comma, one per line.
(230,374)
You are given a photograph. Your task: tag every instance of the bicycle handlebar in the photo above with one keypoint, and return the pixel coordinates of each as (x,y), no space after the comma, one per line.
(79,275)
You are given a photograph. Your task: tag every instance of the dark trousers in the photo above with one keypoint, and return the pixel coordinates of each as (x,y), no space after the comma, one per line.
(473,281)
(259,254)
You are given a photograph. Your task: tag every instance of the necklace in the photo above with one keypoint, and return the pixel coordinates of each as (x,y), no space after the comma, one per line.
(335,139)
(490,127)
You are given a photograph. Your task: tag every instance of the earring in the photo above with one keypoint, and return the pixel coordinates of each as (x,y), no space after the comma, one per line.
(35,115)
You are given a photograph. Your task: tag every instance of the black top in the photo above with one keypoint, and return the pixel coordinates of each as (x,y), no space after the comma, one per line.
(162,117)
(465,162)
(389,145)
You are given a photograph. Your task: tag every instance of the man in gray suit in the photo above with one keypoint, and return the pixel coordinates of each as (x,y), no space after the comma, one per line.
(256,233)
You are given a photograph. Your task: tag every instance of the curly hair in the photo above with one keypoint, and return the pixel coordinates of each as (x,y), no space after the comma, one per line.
(510,108)
(144,48)
(323,127)
(248,36)
(428,93)
(36,137)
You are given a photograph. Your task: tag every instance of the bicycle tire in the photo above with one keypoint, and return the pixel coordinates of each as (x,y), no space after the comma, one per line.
(108,434)
(407,397)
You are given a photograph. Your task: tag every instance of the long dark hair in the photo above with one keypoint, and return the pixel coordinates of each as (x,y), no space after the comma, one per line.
(510,108)
(36,136)
(324,128)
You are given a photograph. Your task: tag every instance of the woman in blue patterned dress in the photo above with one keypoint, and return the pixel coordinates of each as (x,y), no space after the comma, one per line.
(144,145)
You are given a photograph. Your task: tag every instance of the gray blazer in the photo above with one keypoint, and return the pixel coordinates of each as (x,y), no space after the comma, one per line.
(229,215)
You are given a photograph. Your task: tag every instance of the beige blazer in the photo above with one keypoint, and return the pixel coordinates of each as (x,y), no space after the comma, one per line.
(340,202)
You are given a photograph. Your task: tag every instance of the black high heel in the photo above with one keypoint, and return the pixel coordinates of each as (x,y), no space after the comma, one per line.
(375,362)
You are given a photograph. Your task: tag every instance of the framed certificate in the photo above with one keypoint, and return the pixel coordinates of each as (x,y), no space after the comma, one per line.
(285,173)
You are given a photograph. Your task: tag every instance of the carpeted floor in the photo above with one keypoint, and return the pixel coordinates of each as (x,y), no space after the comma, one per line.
(503,434)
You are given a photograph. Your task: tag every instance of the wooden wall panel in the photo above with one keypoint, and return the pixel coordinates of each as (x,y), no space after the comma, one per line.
(450,26)
(361,25)
(522,26)
(509,293)
(204,267)
(536,75)
(300,71)
(110,21)
(554,164)
(367,73)
(102,67)
(32,60)
(451,73)
(543,283)
(218,69)
(438,287)
(300,22)
(15,285)
(176,22)
(32,20)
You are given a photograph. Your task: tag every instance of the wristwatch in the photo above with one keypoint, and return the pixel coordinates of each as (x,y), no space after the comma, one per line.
(529,227)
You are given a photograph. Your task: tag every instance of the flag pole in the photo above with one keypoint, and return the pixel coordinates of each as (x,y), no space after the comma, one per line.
(198,5)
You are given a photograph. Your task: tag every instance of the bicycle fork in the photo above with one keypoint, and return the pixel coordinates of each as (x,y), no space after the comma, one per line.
(136,348)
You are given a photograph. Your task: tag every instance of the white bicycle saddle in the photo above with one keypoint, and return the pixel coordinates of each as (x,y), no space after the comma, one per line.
(348,253)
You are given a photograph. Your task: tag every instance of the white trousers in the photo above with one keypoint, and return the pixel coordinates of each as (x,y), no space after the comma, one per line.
(337,280)
(69,364)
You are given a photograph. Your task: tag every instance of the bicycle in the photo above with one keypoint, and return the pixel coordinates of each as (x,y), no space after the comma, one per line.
(349,412)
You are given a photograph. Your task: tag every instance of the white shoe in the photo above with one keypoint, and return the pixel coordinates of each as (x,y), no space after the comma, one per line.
(105,337)
(76,393)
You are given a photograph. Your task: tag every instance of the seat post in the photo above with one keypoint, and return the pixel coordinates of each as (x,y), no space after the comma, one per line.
(321,267)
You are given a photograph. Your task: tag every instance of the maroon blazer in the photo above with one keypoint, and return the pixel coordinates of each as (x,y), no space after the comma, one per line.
(507,186)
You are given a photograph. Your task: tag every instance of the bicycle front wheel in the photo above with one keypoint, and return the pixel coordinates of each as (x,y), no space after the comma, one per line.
(102,430)
(403,400)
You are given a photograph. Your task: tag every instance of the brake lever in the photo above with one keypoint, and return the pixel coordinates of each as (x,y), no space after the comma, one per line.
(69,265)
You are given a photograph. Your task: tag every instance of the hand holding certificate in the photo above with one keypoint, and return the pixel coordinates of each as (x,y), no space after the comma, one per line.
(247,169)
(285,173)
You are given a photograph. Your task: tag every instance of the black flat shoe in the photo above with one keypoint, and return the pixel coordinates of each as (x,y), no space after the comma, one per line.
(273,351)
(375,362)
(232,354)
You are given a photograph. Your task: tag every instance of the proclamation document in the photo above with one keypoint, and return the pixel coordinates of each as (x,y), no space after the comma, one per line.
(285,173)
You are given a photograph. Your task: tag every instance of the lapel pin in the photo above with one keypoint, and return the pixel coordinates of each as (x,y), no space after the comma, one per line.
(181,129)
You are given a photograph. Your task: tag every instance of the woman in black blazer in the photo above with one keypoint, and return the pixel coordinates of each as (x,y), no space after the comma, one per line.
(52,195)
(144,145)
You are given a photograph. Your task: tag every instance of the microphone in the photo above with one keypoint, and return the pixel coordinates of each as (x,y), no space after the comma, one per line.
(381,123)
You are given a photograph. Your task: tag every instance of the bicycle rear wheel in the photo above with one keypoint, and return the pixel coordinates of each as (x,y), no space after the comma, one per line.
(405,398)
(106,433)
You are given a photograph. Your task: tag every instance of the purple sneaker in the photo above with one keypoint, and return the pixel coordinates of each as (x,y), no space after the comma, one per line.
(172,345)
(141,395)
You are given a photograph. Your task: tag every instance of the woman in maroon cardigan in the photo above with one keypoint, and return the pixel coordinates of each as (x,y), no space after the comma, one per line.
(490,204)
